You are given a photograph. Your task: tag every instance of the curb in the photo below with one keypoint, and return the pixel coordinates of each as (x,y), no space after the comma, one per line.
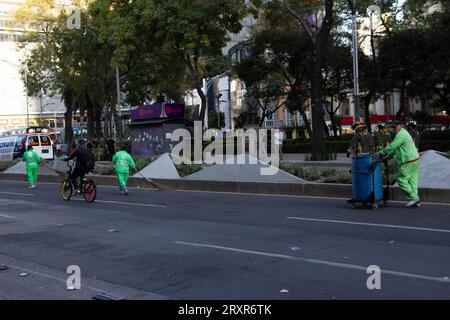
(326,190)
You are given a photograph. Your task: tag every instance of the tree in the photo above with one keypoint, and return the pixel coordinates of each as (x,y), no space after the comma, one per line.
(338,79)
(423,43)
(264,86)
(316,19)
(72,63)
(196,31)
(286,54)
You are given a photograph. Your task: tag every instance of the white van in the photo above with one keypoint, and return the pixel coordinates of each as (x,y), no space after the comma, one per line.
(42,145)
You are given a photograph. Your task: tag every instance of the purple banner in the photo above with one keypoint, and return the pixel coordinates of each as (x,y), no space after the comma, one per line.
(146,112)
(156,111)
(175,110)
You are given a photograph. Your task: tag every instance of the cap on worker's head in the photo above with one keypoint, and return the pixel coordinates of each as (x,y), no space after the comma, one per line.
(411,123)
(381,125)
(395,123)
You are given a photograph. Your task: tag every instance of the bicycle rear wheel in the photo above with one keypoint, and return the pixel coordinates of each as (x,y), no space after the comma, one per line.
(66,190)
(90,191)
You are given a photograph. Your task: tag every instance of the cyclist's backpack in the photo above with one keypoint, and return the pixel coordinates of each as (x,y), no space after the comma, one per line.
(90,161)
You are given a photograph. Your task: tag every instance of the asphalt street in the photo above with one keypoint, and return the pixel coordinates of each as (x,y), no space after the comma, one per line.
(202,245)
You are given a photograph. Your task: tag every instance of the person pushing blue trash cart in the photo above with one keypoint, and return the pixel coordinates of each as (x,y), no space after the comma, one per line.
(367,181)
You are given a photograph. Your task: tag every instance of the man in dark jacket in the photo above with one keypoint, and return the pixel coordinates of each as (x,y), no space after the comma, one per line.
(361,143)
(80,165)
(411,127)
(111,147)
(382,137)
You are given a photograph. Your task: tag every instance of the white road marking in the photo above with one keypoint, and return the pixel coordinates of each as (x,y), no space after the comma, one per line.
(317,261)
(127,203)
(371,224)
(297,196)
(17,193)
(7,216)
(260,253)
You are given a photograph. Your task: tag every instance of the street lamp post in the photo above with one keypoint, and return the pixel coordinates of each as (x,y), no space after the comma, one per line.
(352,4)
(206,84)
(119,108)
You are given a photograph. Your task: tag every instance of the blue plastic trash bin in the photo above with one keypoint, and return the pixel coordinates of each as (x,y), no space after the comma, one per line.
(366,176)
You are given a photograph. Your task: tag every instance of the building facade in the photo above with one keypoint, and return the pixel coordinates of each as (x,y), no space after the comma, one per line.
(16,109)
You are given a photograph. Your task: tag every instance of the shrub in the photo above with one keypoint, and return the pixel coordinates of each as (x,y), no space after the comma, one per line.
(435,135)
(318,174)
(438,145)
(6,165)
(142,162)
(331,147)
(187,169)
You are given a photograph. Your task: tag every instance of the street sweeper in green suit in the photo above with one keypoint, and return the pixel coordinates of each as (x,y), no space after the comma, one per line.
(123,162)
(408,163)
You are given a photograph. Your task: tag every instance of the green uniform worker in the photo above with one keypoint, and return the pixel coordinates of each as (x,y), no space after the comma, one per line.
(382,137)
(123,161)
(31,159)
(362,141)
(408,163)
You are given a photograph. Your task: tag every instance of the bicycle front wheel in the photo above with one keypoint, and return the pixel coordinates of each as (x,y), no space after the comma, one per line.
(66,190)
(90,191)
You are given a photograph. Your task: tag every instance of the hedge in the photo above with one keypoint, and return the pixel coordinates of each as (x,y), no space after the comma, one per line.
(331,146)
(435,135)
(438,145)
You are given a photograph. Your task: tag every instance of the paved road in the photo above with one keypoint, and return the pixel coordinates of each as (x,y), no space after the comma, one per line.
(194,245)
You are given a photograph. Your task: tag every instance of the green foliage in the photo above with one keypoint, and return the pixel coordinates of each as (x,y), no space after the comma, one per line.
(216,65)
(317,174)
(6,165)
(187,169)
(435,135)
(214,122)
(142,162)
(438,145)
(332,147)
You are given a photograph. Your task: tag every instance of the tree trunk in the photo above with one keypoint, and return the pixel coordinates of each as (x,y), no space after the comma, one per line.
(203,105)
(68,129)
(367,99)
(90,118)
(319,42)
(401,110)
(98,122)
(305,120)
(318,143)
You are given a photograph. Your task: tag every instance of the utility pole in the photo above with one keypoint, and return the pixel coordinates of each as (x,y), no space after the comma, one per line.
(26,97)
(352,5)
(218,110)
(119,108)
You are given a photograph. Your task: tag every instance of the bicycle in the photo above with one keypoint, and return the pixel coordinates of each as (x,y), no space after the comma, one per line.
(87,188)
